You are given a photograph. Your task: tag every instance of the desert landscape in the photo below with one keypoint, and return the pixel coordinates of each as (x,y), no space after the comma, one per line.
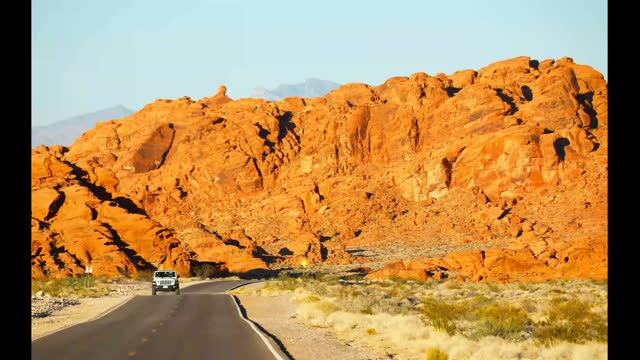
(310,322)
(477,182)
(50,314)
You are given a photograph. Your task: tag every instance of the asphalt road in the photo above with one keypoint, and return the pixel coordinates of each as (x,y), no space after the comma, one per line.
(200,323)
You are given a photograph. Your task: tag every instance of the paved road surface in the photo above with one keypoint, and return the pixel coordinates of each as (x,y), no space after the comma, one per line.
(200,323)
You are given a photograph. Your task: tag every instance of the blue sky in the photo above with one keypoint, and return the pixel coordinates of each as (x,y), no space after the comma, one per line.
(91,55)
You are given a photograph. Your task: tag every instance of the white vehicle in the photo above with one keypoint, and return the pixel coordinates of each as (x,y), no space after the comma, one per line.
(165,280)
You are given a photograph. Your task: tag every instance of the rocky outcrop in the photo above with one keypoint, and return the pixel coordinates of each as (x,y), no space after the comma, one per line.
(76,224)
(506,164)
(535,262)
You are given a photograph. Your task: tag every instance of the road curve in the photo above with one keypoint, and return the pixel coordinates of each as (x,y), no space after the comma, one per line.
(201,323)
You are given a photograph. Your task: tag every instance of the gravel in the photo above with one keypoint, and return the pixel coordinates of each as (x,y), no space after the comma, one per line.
(43,305)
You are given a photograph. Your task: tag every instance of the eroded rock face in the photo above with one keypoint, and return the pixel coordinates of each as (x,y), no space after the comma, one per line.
(498,174)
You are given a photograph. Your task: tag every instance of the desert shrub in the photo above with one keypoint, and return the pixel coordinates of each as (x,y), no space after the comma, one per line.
(385,283)
(573,321)
(599,282)
(399,291)
(366,311)
(352,277)
(144,275)
(388,305)
(441,315)
(345,291)
(524,286)
(453,285)
(76,286)
(123,273)
(314,286)
(397,280)
(283,282)
(329,279)
(373,300)
(495,287)
(477,302)
(327,307)
(471,310)
(371,331)
(436,354)
(205,270)
(432,283)
(445,325)
(309,299)
(529,305)
(505,321)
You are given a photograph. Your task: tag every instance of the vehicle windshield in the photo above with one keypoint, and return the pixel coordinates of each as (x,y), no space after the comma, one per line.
(165,274)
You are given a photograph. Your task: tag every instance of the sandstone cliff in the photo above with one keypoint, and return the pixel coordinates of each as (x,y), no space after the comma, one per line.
(494,174)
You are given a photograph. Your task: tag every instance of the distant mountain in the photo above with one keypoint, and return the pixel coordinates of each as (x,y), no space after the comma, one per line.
(65,132)
(308,89)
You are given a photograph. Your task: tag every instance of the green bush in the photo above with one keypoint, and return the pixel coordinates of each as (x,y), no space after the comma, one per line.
(441,315)
(505,321)
(573,321)
(283,282)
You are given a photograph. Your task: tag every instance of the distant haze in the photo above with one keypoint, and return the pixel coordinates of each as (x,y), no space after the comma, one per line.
(65,132)
(308,89)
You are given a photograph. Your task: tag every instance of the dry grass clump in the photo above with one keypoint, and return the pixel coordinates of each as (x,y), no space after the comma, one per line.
(436,354)
(502,320)
(70,287)
(143,275)
(442,315)
(441,319)
(572,320)
(284,284)
(309,299)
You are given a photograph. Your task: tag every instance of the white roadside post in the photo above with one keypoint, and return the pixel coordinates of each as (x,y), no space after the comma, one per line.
(87,274)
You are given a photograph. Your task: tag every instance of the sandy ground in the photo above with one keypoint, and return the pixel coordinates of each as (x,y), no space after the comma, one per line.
(275,315)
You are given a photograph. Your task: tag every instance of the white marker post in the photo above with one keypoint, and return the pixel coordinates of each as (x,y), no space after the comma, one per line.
(87,274)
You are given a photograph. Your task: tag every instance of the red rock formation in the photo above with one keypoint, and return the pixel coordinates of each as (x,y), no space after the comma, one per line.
(496,174)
